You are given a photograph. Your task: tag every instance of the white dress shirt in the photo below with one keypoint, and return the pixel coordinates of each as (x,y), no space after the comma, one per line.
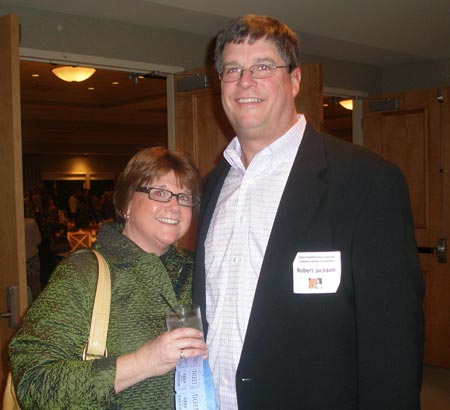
(235,246)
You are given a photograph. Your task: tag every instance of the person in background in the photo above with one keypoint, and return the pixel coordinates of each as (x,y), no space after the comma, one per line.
(96,207)
(56,199)
(108,206)
(73,202)
(47,218)
(306,262)
(32,241)
(85,213)
(156,196)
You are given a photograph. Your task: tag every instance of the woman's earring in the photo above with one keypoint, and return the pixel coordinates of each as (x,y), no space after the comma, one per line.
(126,216)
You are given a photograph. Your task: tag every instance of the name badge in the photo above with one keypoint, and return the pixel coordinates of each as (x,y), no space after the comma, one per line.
(317,272)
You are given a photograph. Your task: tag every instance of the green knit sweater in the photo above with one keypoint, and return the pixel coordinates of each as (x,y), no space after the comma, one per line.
(45,353)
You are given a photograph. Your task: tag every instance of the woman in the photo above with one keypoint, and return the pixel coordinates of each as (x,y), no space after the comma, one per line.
(155,198)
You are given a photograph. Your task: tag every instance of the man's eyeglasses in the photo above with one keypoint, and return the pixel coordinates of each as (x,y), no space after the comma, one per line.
(258,71)
(163,195)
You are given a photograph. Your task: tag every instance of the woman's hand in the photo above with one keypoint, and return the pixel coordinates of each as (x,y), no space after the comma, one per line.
(159,356)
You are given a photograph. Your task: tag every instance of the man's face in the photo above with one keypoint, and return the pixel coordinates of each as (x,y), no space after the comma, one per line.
(259,109)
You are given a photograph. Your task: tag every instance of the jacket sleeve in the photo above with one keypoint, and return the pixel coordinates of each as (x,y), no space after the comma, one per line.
(388,293)
(45,354)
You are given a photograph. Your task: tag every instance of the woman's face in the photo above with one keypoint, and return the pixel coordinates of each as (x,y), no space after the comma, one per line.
(154,225)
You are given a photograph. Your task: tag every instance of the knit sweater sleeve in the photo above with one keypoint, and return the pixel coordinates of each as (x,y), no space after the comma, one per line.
(45,352)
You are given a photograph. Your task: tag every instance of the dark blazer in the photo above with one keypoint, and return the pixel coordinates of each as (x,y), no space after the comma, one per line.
(361,347)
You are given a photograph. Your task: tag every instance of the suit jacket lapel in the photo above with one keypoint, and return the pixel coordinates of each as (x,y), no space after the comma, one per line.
(301,198)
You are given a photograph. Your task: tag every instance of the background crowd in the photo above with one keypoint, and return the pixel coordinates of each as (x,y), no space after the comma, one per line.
(48,218)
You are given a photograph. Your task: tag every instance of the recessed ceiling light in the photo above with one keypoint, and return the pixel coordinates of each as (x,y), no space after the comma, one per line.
(91,88)
(34,75)
(115,83)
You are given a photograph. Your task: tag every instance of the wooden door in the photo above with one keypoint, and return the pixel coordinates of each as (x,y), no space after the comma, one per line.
(309,100)
(414,134)
(12,250)
(203,131)
(201,127)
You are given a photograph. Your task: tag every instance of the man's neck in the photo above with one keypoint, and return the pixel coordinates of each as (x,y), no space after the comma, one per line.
(251,148)
(251,144)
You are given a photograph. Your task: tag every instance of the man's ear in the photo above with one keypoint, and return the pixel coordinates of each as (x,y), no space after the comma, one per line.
(296,77)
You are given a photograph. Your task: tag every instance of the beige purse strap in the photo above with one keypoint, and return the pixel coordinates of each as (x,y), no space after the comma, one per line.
(9,396)
(96,346)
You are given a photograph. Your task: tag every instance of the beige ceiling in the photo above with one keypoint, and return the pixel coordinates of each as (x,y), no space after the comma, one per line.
(381,32)
(67,118)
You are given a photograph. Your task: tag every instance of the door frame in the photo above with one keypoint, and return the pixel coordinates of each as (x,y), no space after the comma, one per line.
(357,112)
(12,251)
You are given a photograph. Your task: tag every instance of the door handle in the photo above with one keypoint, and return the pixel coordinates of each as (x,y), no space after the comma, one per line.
(440,250)
(12,304)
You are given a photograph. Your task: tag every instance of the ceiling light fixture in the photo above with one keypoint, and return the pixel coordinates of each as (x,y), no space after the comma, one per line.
(71,73)
(347,104)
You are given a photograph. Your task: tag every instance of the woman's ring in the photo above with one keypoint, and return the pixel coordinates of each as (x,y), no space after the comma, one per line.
(181,354)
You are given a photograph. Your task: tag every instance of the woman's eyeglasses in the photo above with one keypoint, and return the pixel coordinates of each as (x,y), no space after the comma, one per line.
(163,195)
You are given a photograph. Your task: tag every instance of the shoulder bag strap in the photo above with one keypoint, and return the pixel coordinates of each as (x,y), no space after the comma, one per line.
(96,346)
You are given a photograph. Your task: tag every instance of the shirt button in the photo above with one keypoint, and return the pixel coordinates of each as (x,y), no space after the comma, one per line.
(225,382)
(242,219)
(236,259)
(230,299)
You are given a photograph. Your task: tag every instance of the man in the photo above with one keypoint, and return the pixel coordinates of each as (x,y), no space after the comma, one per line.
(306,268)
